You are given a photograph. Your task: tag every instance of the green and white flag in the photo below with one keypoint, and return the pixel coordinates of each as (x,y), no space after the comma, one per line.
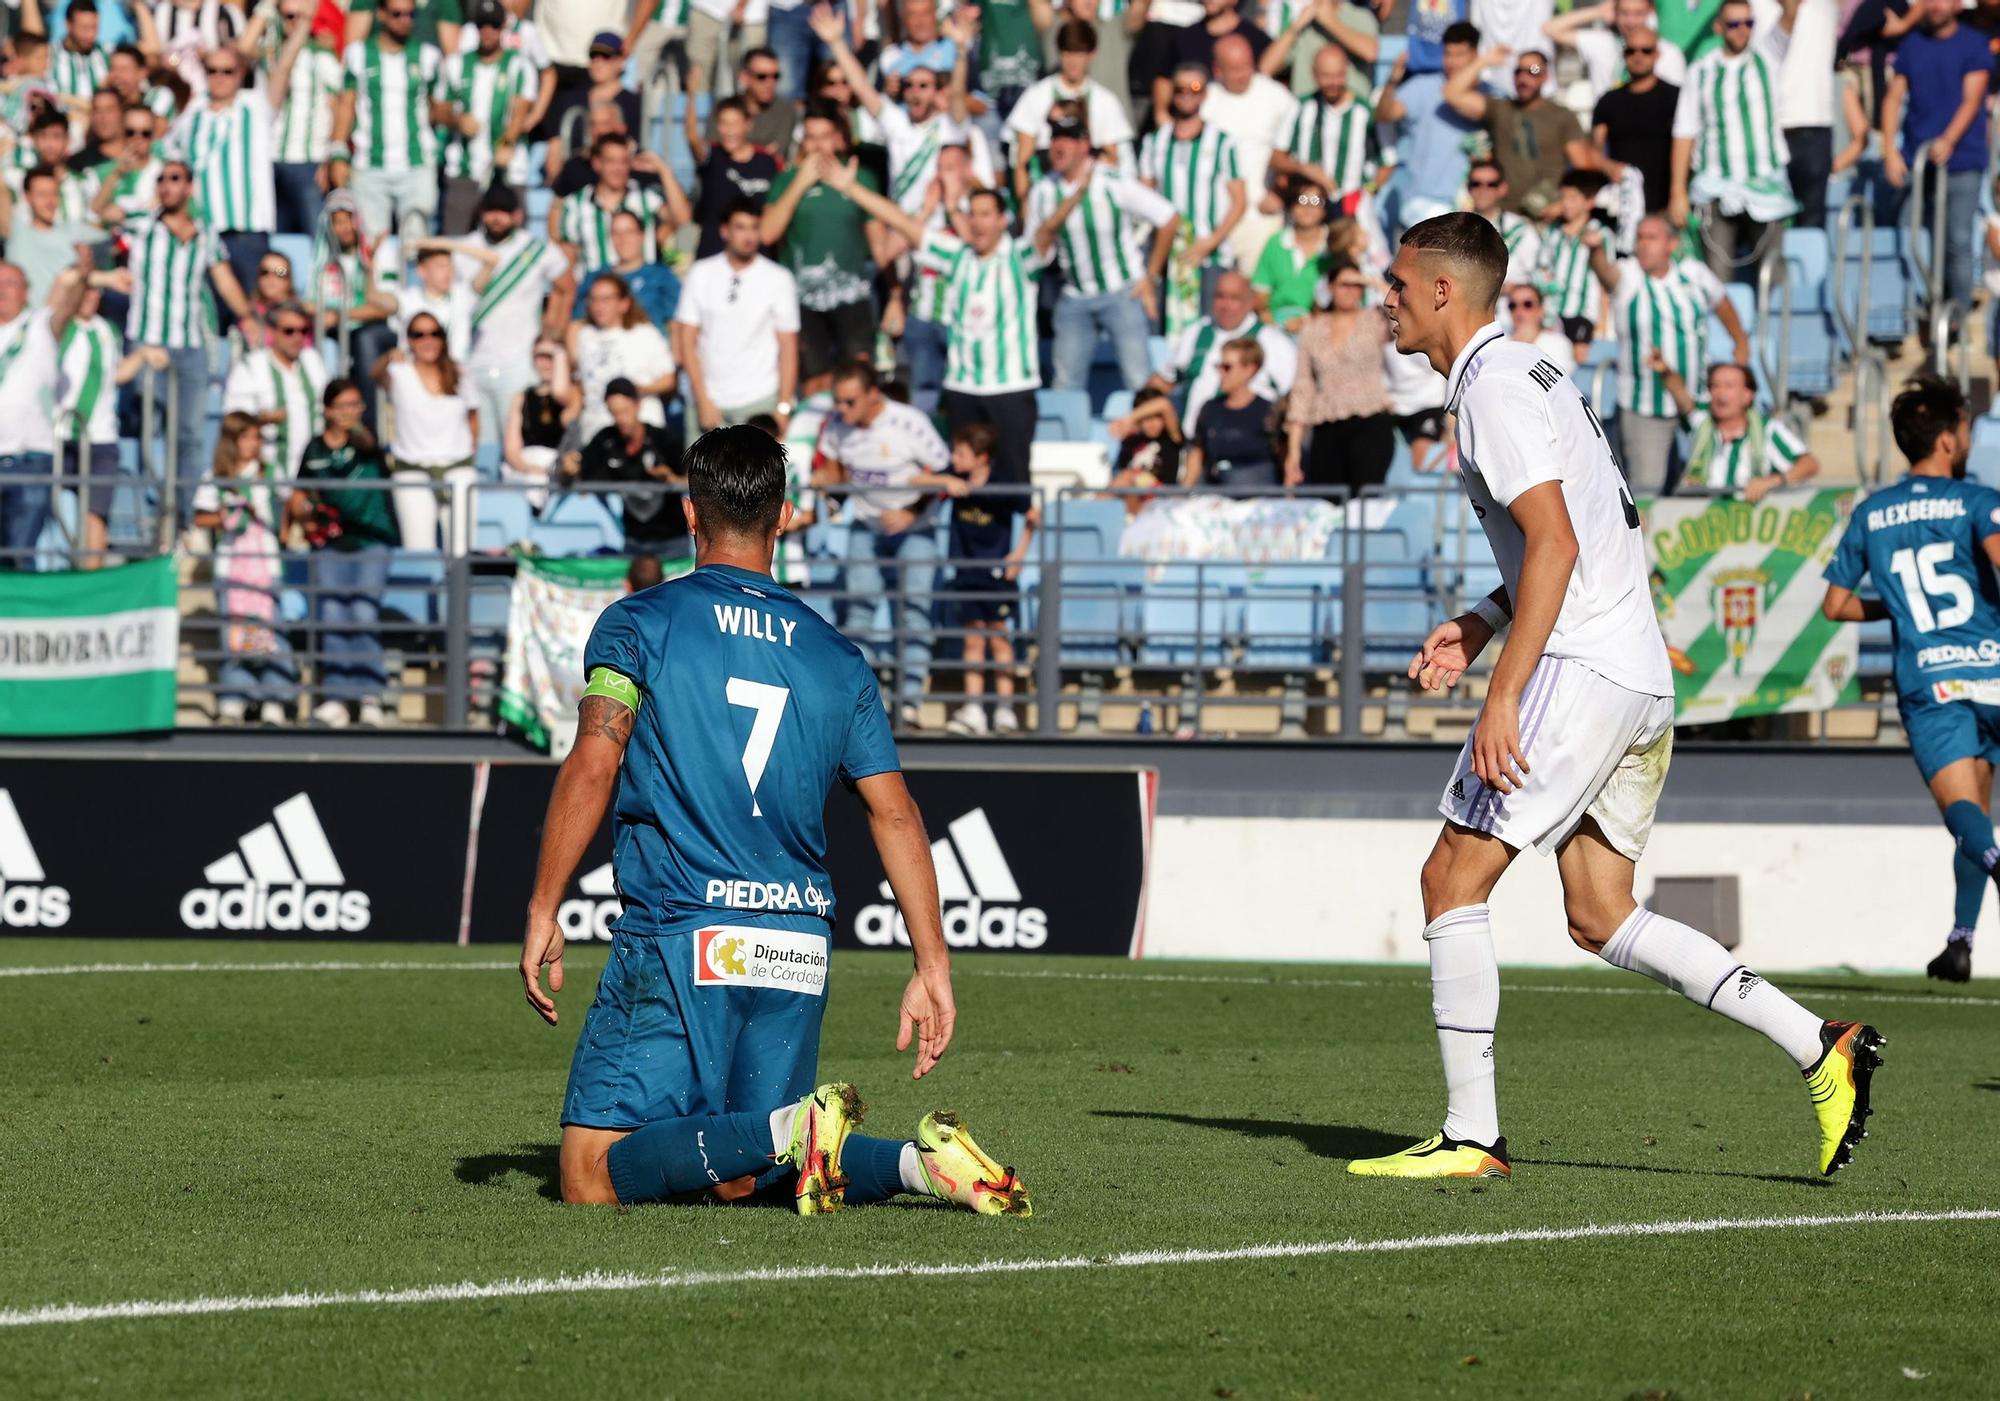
(89,653)
(1738,588)
(554,606)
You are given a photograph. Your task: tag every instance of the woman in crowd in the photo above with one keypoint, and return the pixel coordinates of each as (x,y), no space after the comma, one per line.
(616,341)
(1231,445)
(351,533)
(1525,311)
(437,426)
(257,662)
(1294,259)
(539,420)
(272,290)
(1341,394)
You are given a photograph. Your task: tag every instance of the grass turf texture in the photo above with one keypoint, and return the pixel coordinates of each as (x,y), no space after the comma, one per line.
(174,1135)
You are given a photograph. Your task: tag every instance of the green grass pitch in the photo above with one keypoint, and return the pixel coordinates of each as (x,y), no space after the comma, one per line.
(243,1134)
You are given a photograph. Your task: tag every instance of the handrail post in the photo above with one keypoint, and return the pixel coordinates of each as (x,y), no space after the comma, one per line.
(457,641)
(1048,631)
(170,454)
(1352,585)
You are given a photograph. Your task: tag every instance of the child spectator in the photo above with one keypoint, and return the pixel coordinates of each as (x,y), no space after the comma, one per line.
(987,578)
(1149,446)
(257,663)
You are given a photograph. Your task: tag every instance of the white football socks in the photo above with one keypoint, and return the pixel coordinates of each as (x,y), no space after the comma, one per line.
(1465,1004)
(1704,972)
(911,1167)
(781,1128)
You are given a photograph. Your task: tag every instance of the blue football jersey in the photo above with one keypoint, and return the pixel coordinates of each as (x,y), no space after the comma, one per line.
(751,705)
(1923,543)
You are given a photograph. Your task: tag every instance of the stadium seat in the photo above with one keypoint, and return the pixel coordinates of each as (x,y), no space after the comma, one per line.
(296,249)
(1984,463)
(1087,527)
(1067,407)
(1809,344)
(577,524)
(1159,350)
(504,520)
(1889,314)
(415,592)
(1282,626)
(1188,614)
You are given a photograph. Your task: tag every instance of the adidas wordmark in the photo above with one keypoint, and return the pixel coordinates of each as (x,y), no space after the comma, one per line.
(282,876)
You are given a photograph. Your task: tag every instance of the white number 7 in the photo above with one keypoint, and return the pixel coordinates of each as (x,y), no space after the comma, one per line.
(769,703)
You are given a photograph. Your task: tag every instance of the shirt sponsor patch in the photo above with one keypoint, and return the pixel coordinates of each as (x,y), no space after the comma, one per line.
(1982,692)
(739,956)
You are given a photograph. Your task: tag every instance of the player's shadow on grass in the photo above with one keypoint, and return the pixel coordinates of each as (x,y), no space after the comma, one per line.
(541,1161)
(1322,1140)
(1789,1179)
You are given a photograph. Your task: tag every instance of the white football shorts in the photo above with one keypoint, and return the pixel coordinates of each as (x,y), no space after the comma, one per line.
(1592,748)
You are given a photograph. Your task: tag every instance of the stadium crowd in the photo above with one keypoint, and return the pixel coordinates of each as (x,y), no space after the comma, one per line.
(435,242)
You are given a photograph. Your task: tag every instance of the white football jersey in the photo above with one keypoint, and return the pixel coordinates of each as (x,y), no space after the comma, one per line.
(1522,422)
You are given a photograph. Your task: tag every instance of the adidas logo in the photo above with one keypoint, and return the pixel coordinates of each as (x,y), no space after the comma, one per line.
(26,902)
(590,917)
(982,903)
(1458,790)
(281,876)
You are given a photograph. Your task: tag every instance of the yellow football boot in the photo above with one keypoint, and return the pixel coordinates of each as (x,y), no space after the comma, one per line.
(958,1170)
(819,1130)
(1438,1156)
(1838,1081)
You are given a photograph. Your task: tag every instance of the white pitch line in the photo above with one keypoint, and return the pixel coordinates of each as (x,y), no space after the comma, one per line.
(1061,975)
(597,1282)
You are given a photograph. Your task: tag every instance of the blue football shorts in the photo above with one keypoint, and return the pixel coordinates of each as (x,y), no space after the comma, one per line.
(1944,731)
(718,1019)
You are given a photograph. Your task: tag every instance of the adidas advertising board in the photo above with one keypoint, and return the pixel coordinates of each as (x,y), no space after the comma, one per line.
(1027,862)
(243,850)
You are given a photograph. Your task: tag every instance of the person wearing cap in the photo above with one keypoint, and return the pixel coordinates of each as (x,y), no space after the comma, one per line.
(1104,112)
(522,289)
(1093,222)
(632,452)
(582,222)
(717,27)
(490,91)
(385,142)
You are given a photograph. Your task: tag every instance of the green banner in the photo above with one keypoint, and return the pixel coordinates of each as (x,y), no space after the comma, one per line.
(554,606)
(1689,25)
(89,652)
(1738,588)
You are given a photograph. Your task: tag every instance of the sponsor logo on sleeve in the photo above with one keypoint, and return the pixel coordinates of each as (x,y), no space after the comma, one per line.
(739,956)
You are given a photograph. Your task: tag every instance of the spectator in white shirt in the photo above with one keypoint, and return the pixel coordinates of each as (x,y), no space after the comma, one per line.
(614,341)
(1600,34)
(1105,113)
(438,291)
(436,423)
(1252,111)
(736,330)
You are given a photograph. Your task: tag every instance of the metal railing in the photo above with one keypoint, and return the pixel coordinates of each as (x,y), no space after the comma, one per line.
(1871,366)
(1927,254)
(1311,641)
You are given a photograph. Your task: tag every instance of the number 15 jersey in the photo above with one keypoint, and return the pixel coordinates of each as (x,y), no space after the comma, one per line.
(1923,541)
(1522,422)
(750,706)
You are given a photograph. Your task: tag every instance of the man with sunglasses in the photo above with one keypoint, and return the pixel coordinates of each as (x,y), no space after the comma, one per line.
(173,260)
(1605,36)
(281,386)
(1729,156)
(1331,139)
(1487,186)
(385,140)
(1631,128)
(226,139)
(1193,164)
(490,89)
(1532,136)
(122,187)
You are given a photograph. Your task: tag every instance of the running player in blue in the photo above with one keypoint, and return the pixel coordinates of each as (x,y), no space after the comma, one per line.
(1931,543)
(722,709)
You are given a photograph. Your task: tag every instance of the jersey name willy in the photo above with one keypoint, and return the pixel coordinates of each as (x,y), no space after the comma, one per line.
(736,620)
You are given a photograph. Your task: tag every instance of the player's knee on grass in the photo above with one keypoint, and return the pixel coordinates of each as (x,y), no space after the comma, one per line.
(586,1169)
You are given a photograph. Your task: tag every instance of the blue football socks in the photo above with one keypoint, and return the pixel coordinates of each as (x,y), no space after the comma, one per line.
(678,1156)
(1972,829)
(873,1167)
(1971,879)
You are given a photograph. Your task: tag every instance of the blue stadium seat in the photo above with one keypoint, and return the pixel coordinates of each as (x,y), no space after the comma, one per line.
(1159,350)
(415,592)
(1070,408)
(1090,526)
(504,520)
(1189,613)
(296,249)
(1984,463)
(1282,616)
(1099,609)
(1812,350)
(1889,313)
(1720,347)
(1388,48)
(1053,430)
(578,524)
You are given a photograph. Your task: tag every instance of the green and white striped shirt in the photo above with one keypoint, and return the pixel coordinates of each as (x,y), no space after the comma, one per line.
(1728,108)
(487,91)
(672,13)
(392,96)
(585,225)
(78,74)
(135,187)
(1102,246)
(1195,176)
(1670,312)
(258,384)
(1567,282)
(988,304)
(1523,242)
(87,394)
(1338,138)
(230,153)
(170,285)
(1728,464)
(305,123)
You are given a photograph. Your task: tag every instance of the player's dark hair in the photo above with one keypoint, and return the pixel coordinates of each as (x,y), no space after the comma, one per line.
(980,439)
(1462,32)
(736,479)
(1471,244)
(1926,407)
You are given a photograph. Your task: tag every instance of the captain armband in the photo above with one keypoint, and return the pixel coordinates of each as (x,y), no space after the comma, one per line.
(612,686)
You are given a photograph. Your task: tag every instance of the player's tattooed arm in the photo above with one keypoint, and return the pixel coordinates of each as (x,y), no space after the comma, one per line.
(606,718)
